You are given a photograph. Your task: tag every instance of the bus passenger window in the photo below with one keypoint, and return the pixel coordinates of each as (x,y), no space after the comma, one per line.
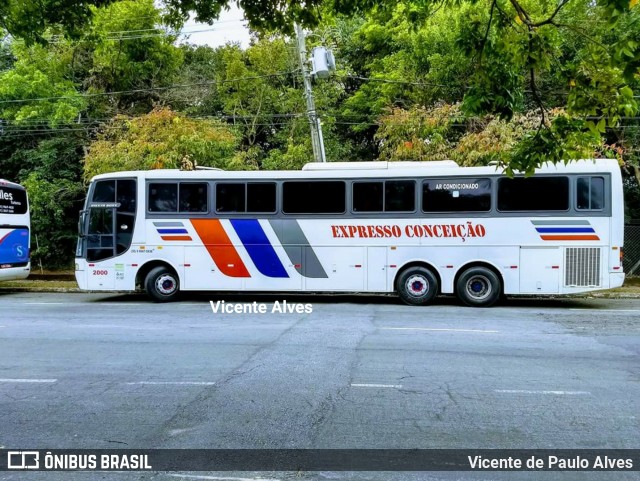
(314,197)
(399,196)
(230,197)
(163,197)
(367,197)
(193,197)
(533,194)
(261,197)
(590,193)
(456,195)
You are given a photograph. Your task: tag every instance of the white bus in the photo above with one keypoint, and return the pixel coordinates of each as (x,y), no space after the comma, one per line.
(414,228)
(14,232)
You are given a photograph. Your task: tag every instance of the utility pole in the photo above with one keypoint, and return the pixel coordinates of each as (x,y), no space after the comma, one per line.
(314,121)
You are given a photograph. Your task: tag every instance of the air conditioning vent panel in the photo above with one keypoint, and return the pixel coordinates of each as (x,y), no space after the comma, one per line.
(582,267)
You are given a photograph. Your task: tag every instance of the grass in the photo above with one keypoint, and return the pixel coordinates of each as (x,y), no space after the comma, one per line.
(39,285)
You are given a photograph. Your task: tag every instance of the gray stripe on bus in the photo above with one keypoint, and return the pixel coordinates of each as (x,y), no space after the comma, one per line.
(297,247)
(168,224)
(560,222)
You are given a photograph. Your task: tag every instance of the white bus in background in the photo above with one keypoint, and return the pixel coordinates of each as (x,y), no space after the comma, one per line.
(14,232)
(415,228)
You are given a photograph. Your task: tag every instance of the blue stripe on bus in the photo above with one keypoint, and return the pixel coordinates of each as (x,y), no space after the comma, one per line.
(173,231)
(14,247)
(258,247)
(564,230)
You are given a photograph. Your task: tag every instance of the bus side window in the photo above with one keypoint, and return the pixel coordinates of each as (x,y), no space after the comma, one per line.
(590,193)
(399,196)
(456,195)
(314,197)
(163,197)
(193,197)
(261,197)
(367,196)
(548,193)
(230,197)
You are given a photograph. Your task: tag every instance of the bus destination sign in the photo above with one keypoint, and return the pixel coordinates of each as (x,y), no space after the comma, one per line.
(12,201)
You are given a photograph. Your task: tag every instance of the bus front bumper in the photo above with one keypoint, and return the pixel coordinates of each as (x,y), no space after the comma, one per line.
(81,274)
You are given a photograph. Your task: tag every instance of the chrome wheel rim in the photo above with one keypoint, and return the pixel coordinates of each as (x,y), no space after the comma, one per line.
(166,284)
(479,287)
(417,285)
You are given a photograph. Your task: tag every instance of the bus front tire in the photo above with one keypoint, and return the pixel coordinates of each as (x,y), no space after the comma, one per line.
(162,284)
(417,286)
(479,287)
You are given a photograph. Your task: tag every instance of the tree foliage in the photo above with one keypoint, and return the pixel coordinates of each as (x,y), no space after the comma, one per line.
(54,205)
(30,19)
(161,139)
(41,73)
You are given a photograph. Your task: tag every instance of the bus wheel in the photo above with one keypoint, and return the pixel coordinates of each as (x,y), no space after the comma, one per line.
(162,284)
(417,286)
(479,287)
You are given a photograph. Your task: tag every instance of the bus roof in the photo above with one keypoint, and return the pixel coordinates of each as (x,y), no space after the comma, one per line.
(13,185)
(347,170)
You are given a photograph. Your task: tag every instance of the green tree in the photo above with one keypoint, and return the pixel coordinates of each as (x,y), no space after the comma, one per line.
(128,49)
(30,19)
(54,212)
(38,89)
(161,139)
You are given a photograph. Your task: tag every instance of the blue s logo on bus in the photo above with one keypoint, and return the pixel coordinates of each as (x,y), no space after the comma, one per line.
(21,252)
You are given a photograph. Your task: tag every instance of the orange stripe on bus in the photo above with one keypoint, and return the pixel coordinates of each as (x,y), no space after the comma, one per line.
(570,237)
(220,248)
(176,237)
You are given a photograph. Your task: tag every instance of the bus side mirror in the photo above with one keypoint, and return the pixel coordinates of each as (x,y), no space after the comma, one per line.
(81,223)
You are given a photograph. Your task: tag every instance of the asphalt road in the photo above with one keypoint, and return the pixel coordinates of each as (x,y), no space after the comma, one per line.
(110,371)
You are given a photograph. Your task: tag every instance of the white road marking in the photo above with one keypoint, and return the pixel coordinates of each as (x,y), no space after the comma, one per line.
(118,326)
(175,432)
(93,326)
(397,386)
(171,383)
(40,381)
(218,478)
(435,329)
(604,310)
(558,393)
(105,303)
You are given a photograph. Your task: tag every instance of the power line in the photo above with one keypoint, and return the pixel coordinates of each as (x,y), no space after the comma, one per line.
(149,89)
(392,81)
(129,117)
(153,35)
(159,29)
(36,124)
(29,132)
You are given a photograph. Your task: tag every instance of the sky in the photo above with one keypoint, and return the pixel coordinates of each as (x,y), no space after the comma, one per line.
(230,27)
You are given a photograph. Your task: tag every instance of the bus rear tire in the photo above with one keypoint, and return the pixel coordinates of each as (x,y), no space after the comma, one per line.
(162,284)
(417,286)
(479,287)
